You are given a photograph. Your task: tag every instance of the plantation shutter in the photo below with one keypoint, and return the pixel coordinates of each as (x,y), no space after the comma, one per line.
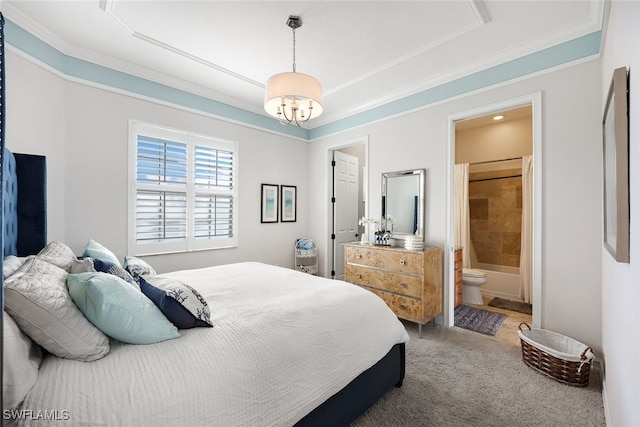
(184,192)
(161,199)
(213,209)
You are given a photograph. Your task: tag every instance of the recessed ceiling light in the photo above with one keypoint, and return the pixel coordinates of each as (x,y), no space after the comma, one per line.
(498,117)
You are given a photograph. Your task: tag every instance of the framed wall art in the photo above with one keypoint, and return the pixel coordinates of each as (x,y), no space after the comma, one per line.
(288,200)
(269,203)
(615,140)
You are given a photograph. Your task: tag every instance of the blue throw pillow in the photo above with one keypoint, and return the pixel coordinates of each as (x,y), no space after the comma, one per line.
(94,265)
(180,303)
(118,309)
(104,266)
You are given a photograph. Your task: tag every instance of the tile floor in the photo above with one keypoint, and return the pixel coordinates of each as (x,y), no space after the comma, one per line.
(509,330)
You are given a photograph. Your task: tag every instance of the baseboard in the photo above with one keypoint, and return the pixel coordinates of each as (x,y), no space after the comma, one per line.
(504,295)
(605,402)
(439,320)
(598,365)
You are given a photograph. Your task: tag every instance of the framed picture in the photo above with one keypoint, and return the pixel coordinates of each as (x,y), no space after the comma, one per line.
(288,198)
(269,203)
(615,133)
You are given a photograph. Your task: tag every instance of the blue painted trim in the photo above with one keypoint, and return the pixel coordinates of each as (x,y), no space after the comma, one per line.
(84,70)
(563,53)
(560,54)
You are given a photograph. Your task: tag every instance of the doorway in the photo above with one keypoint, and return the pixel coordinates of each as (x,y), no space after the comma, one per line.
(492,175)
(348,200)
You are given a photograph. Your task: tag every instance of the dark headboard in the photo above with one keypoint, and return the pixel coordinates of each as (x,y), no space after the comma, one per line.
(24,188)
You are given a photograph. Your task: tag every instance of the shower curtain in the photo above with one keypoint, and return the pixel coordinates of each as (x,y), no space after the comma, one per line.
(462,237)
(526,244)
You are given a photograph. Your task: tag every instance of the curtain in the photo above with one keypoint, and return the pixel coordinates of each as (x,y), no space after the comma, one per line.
(462,232)
(526,239)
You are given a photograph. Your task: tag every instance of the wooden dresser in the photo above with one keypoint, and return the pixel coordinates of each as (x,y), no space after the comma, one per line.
(410,282)
(457,267)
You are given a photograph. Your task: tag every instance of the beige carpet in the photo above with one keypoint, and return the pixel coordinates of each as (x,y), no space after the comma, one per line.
(456,377)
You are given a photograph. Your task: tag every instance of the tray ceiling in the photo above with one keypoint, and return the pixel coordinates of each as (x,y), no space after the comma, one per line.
(365,53)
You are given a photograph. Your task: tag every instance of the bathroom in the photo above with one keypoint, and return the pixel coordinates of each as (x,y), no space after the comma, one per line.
(491,153)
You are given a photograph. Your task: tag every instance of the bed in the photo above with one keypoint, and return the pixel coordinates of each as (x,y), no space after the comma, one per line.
(279,347)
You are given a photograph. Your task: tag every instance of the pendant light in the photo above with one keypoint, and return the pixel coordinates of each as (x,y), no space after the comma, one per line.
(292,97)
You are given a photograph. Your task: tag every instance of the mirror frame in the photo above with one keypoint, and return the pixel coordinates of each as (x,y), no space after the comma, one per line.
(421,173)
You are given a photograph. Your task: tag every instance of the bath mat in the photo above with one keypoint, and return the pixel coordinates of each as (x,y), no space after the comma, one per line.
(478,320)
(520,307)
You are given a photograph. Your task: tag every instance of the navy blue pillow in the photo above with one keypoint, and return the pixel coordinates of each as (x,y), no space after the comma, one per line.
(105,266)
(173,310)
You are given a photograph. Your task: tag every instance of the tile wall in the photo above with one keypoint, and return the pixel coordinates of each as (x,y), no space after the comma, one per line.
(495,213)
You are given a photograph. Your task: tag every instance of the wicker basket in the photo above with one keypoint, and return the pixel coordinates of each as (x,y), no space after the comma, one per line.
(559,357)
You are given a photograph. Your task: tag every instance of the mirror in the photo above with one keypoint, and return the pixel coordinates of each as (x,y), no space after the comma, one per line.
(403,202)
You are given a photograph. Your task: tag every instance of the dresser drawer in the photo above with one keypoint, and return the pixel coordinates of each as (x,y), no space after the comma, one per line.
(396,260)
(385,280)
(458,296)
(403,307)
(457,255)
(458,273)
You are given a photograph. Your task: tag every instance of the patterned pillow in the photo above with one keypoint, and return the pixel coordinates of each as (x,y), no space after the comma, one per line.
(118,310)
(95,265)
(138,267)
(105,266)
(37,298)
(180,303)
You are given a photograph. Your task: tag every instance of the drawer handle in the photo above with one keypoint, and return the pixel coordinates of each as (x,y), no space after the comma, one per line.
(401,262)
(402,307)
(358,275)
(403,285)
(357,256)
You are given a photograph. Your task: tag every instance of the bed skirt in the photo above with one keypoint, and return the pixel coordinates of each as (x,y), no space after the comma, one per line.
(352,401)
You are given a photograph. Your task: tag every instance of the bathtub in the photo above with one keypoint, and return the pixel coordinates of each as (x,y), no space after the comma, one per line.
(502,281)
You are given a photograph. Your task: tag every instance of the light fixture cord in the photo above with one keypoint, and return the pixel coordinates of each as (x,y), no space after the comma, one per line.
(294,49)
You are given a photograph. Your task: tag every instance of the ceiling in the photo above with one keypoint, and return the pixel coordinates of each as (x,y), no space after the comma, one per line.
(488,120)
(364,53)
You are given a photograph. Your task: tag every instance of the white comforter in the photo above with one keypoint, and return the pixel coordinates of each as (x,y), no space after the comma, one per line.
(283,342)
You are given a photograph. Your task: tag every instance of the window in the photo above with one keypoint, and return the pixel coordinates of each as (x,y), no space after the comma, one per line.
(183,191)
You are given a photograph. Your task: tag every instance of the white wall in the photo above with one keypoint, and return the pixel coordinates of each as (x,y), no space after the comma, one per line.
(36,124)
(571,181)
(621,282)
(499,140)
(83,131)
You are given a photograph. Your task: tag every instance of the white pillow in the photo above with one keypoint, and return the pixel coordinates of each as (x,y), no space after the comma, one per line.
(20,364)
(12,263)
(58,254)
(37,298)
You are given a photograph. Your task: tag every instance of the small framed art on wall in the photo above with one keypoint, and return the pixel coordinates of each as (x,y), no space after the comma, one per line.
(269,203)
(288,201)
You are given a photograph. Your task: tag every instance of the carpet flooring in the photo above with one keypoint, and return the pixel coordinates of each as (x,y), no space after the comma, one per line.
(458,378)
(506,304)
(478,320)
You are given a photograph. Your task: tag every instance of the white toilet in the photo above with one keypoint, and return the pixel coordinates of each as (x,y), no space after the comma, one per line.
(472,280)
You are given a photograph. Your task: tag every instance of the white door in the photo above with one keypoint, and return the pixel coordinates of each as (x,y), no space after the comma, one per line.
(346,206)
